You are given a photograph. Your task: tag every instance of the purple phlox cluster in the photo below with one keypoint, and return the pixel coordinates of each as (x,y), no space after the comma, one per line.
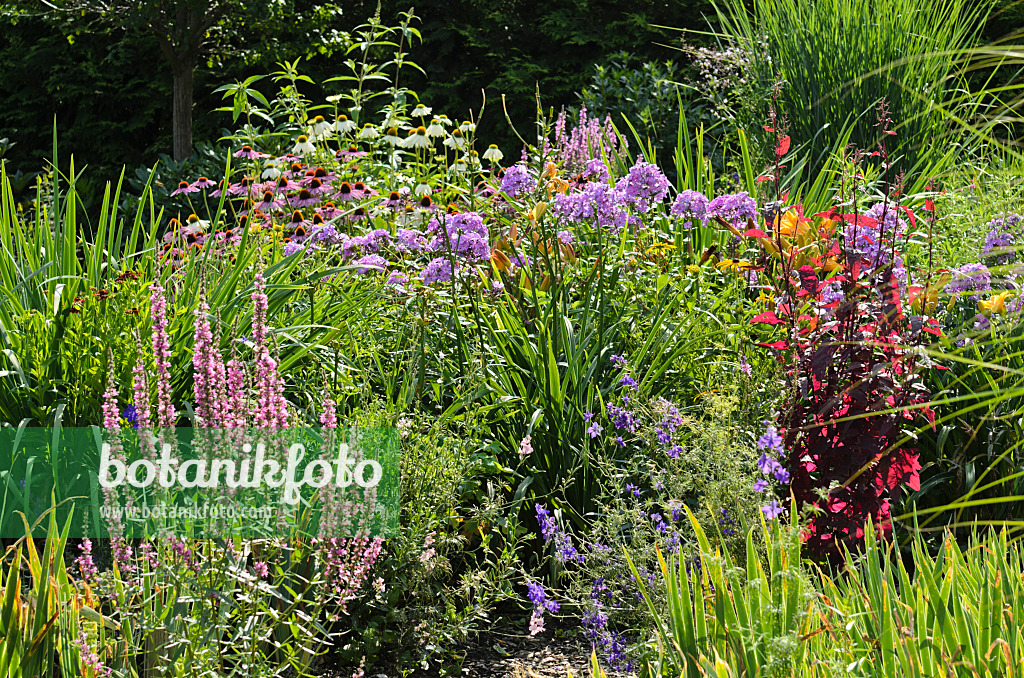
(326,234)
(644,186)
(618,360)
(1003,239)
(970,279)
(633,489)
(594,429)
(596,170)
(411,241)
(517,180)
(736,208)
(691,207)
(585,141)
(371,263)
(875,243)
(464,234)
(629,382)
(597,201)
(541,603)
(832,292)
(260,569)
(439,269)
(565,237)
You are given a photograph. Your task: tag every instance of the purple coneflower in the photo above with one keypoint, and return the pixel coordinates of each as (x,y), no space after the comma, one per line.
(249,154)
(184,187)
(303,199)
(268,203)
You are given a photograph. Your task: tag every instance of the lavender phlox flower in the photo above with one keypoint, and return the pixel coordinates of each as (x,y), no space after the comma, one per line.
(438,270)
(735,208)
(970,279)
(596,170)
(595,429)
(597,201)
(517,180)
(691,207)
(371,263)
(644,186)
(1003,239)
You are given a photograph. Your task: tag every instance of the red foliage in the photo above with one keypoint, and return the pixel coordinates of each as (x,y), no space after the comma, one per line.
(855,390)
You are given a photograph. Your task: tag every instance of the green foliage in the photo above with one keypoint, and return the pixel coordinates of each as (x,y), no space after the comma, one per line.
(838,59)
(957,612)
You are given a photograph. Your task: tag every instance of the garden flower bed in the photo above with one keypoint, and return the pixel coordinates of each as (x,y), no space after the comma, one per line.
(708,423)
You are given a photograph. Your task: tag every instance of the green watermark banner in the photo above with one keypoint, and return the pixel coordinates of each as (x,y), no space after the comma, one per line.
(201,483)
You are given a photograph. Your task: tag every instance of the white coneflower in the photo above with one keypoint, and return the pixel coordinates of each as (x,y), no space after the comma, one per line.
(335,98)
(467,127)
(456,140)
(460,165)
(319,128)
(422,189)
(391,136)
(444,120)
(368,132)
(344,125)
(302,146)
(493,153)
(434,129)
(420,111)
(271,171)
(417,138)
(473,158)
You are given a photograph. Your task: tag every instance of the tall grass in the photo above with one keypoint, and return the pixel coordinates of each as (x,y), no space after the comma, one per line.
(957,613)
(837,59)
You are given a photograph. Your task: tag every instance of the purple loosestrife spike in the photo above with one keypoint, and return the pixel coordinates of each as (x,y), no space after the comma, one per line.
(162,355)
(237,399)
(111,412)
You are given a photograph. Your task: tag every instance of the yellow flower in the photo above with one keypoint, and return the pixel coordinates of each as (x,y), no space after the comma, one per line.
(693,268)
(995,304)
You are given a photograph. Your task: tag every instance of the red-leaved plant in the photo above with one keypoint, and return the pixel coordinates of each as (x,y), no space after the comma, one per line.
(849,351)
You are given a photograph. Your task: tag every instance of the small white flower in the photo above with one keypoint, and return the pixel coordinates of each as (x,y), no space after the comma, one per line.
(456,141)
(420,111)
(319,128)
(344,125)
(368,132)
(467,127)
(391,136)
(334,98)
(434,129)
(417,138)
(493,153)
(270,171)
(422,189)
(302,146)
(443,119)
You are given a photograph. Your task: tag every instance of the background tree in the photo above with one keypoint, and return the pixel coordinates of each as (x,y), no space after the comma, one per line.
(186,30)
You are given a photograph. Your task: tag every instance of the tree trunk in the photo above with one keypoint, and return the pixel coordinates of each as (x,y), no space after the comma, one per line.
(183,73)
